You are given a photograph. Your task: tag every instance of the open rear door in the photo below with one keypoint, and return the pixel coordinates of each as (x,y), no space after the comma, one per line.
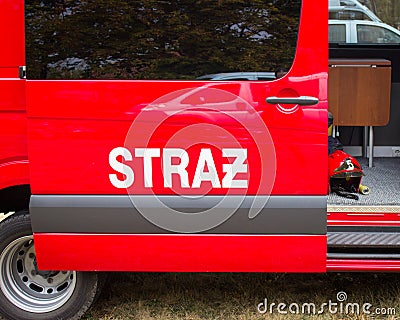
(184,175)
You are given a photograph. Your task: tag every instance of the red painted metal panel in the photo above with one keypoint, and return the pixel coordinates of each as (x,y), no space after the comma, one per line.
(9,73)
(74,125)
(87,144)
(13,142)
(363,265)
(12,93)
(82,121)
(14,166)
(176,253)
(14,173)
(12,37)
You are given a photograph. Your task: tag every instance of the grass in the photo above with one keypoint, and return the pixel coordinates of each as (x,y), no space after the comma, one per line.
(235,296)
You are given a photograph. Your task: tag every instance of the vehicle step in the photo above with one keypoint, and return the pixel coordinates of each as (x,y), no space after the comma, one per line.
(363,239)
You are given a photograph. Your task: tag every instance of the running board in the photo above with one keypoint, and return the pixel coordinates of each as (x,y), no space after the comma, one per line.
(389,240)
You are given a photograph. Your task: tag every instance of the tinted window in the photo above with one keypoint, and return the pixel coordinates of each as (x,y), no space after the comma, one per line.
(376,34)
(106,39)
(337,33)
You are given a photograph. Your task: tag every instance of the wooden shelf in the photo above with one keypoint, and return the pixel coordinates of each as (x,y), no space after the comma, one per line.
(359,91)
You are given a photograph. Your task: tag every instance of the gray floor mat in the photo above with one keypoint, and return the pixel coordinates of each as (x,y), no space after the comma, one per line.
(383,180)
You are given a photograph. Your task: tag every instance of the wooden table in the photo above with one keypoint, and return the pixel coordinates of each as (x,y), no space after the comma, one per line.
(359,94)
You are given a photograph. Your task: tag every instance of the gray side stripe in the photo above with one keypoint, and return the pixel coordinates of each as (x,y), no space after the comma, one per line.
(117,215)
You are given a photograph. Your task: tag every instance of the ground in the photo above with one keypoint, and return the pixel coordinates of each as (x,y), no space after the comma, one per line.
(236,296)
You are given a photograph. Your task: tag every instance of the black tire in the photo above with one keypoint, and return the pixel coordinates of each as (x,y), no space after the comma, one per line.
(28,294)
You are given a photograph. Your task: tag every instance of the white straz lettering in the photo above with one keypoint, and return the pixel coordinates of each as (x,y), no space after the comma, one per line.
(175,162)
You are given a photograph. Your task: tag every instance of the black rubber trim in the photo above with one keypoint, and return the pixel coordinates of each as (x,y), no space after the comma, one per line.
(116,214)
(364,256)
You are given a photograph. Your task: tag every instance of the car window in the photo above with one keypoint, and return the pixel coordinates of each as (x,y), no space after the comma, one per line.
(158,39)
(337,33)
(376,34)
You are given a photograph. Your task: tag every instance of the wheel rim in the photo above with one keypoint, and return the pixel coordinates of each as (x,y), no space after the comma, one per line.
(26,287)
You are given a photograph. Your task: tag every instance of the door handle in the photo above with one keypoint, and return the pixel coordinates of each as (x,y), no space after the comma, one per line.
(301,101)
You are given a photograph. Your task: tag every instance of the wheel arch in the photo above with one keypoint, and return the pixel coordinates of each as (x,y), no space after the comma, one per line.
(15,188)
(14,173)
(14,198)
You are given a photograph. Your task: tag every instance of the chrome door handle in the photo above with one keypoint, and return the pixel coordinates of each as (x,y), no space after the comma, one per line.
(301,101)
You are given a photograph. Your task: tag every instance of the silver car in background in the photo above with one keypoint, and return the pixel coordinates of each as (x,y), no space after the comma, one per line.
(362,32)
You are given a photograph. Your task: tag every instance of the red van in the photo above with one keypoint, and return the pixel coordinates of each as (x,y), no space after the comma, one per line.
(159,175)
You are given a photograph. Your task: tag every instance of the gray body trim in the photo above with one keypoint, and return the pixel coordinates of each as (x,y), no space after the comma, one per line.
(105,214)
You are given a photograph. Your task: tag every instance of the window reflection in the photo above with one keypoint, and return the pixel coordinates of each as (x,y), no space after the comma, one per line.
(376,34)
